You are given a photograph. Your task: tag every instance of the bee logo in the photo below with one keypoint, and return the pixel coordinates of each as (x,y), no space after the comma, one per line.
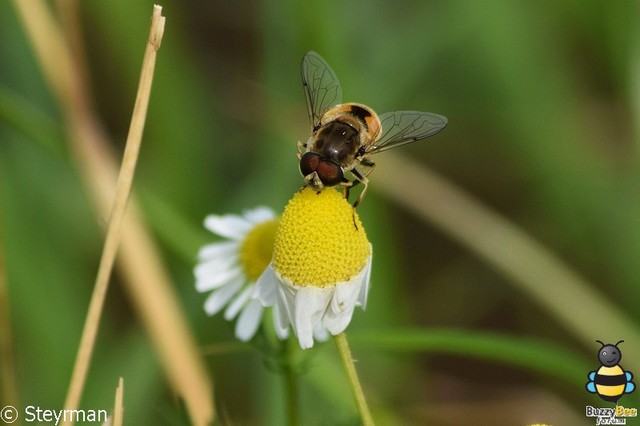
(610,381)
(343,136)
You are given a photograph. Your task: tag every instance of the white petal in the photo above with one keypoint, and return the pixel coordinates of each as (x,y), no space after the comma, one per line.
(265,289)
(340,311)
(249,321)
(281,309)
(364,290)
(320,333)
(337,322)
(210,282)
(286,302)
(280,323)
(237,304)
(221,249)
(310,305)
(215,266)
(229,226)
(259,215)
(346,295)
(216,301)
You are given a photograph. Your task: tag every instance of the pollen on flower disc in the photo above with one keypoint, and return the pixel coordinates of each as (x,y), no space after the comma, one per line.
(257,248)
(317,242)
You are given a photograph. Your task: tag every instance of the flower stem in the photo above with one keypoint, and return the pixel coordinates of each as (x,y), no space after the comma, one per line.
(291,383)
(352,376)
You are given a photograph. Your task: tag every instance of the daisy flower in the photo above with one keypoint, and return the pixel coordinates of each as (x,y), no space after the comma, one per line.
(229,269)
(320,267)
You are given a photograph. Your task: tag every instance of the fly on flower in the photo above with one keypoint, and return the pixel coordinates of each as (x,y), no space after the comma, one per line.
(343,136)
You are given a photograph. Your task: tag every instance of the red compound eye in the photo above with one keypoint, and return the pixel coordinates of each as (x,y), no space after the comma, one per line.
(330,173)
(309,163)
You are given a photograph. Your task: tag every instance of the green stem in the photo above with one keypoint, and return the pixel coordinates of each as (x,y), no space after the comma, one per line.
(352,376)
(291,383)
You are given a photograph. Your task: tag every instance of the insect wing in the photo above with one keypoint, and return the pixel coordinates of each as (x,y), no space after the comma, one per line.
(321,86)
(402,127)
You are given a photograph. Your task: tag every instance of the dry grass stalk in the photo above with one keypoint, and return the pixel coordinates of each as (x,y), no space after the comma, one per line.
(118,408)
(123,190)
(145,277)
(8,388)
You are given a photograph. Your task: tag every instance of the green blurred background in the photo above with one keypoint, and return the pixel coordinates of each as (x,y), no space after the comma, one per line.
(542,100)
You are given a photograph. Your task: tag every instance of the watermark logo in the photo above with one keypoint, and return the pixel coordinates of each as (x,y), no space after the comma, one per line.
(8,414)
(610,382)
(35,414)
(611,416)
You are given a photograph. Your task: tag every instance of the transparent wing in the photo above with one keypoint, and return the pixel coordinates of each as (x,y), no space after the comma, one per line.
(321,86)
(402,127)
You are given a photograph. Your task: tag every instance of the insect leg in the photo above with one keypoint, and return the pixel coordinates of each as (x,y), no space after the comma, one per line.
(313,180)
(360,179)
(347,185)
(368,164)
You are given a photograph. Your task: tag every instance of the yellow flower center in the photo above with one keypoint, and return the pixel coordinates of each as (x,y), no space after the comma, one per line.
(257,249)
(320,240)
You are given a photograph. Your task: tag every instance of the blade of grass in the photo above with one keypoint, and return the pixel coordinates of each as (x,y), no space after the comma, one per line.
(528,264)
(25,117)
(510,350)
(49,46)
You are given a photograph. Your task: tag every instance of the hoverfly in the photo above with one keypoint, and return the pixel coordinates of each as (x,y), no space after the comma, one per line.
(343,136)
